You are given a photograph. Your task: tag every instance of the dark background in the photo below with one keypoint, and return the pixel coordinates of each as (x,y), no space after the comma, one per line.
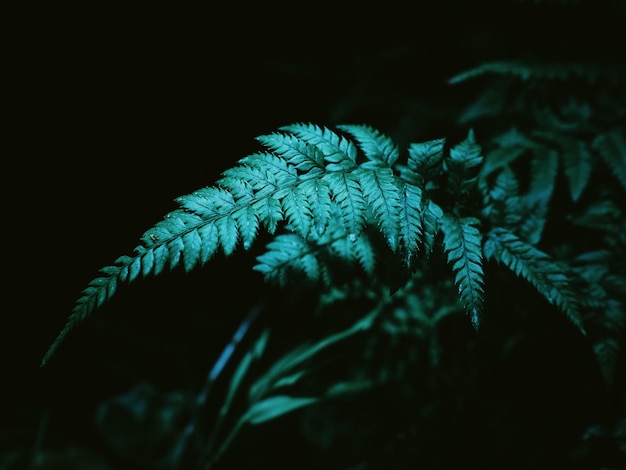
(119,110)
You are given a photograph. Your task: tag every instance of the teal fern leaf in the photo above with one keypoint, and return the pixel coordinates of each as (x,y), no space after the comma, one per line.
(309,177)
(548,277)
(462,243)
(326,192)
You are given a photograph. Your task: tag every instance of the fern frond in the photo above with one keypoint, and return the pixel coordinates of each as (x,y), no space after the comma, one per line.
(462,243)
(310,183)
(549,278)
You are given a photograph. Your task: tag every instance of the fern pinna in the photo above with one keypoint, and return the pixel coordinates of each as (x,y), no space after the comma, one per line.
(321,193)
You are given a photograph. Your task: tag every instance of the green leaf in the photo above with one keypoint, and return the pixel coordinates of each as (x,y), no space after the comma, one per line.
(276,406)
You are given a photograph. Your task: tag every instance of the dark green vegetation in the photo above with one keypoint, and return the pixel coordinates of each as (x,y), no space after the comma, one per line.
(430,273)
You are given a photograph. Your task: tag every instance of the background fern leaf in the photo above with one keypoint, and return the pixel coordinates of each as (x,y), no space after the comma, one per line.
(508,147)
(462,243)
(576,160)
(544,170)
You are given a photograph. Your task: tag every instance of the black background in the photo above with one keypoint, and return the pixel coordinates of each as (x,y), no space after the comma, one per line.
(118,110)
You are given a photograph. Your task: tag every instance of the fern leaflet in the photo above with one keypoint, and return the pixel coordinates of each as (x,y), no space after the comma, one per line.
(462,243)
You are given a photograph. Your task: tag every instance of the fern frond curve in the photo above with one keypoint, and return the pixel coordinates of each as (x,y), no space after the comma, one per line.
(308,176)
